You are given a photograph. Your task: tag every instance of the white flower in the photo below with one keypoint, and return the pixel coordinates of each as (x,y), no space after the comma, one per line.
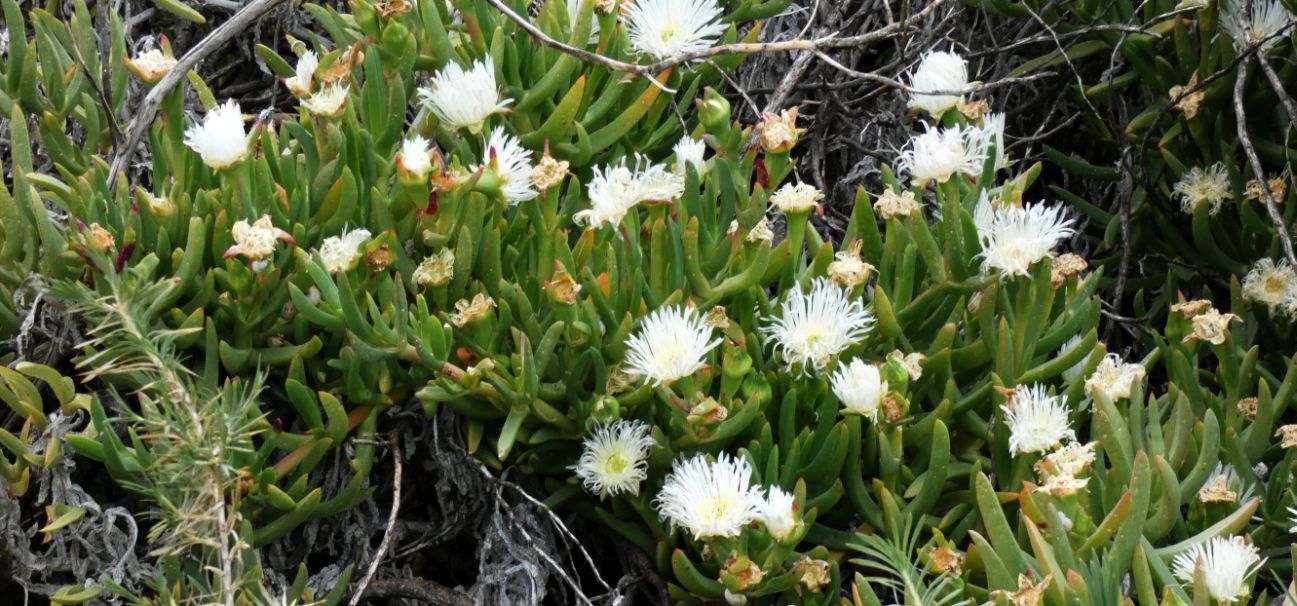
(340,253)
(1072,374)
(938,71)
(464,98)
(220,139)
(1016,237)
(992,129)
(613,192)
(672,343)
(1267,17)
(1060,470)
(257,240)
(710,499)
(690,151)
(616,189)
(1203,186)
(614,458)
(815,327)
(939,154)
(414,156)
(301,82)
(150,65)
(794,198)
(1114,378)
(778,513)
(328,101)
(1037,421)
(1293,512)
(436,270)
(1273,284)
(860,388)
(1226,562)
(666,28)
(512,164)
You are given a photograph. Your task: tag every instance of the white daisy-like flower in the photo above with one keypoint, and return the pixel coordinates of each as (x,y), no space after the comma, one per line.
(219,139)
(1037,421)
(1225,486)
(1227,563)
(1018,237)
(778,513)
(1267,17)
(1115,378)
(340,253)
(1072,374)
(257,240)
(672,343)
(663,29)
(796,197)
(464,98)
(150,65)
(328,101)
(992,129)
(1274,284)
(710,499)
(616,189)
(613,192)
(512,164)
(1203,186)
(414,157)
(301,82)
(860,388)
(938,71)
(614,458)
(813,328)
(690,151)
(939,154)
(657,183)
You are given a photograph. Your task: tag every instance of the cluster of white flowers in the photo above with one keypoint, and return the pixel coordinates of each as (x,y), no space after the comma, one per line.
(671,344)
(718,499)
(464,98)
(1015,237)
(814,328)
(616,189)
(1272,284)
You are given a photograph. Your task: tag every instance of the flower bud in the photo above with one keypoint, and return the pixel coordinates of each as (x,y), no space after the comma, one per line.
(713,111)
(779,132)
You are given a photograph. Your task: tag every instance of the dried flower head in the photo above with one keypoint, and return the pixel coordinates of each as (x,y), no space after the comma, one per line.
(255,241)
(470,310)
(614,458)
(1027,594)
(151,65)
(761,232)
(1278,189)
(671,344)
(464,98)
(796,198)
(778,132)
(1211,326)
(812,574)
(892,204)
(1203,186)
(847,269)
(99,239)
(549,172)
(436,270)
(1247,407)
(1224,486)
(814,328)
(1192,308)
(1287,435)
(1065,266)
(1186,99)
(911,362)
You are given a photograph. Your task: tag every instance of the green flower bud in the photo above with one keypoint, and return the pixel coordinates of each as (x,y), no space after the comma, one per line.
(714,111)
